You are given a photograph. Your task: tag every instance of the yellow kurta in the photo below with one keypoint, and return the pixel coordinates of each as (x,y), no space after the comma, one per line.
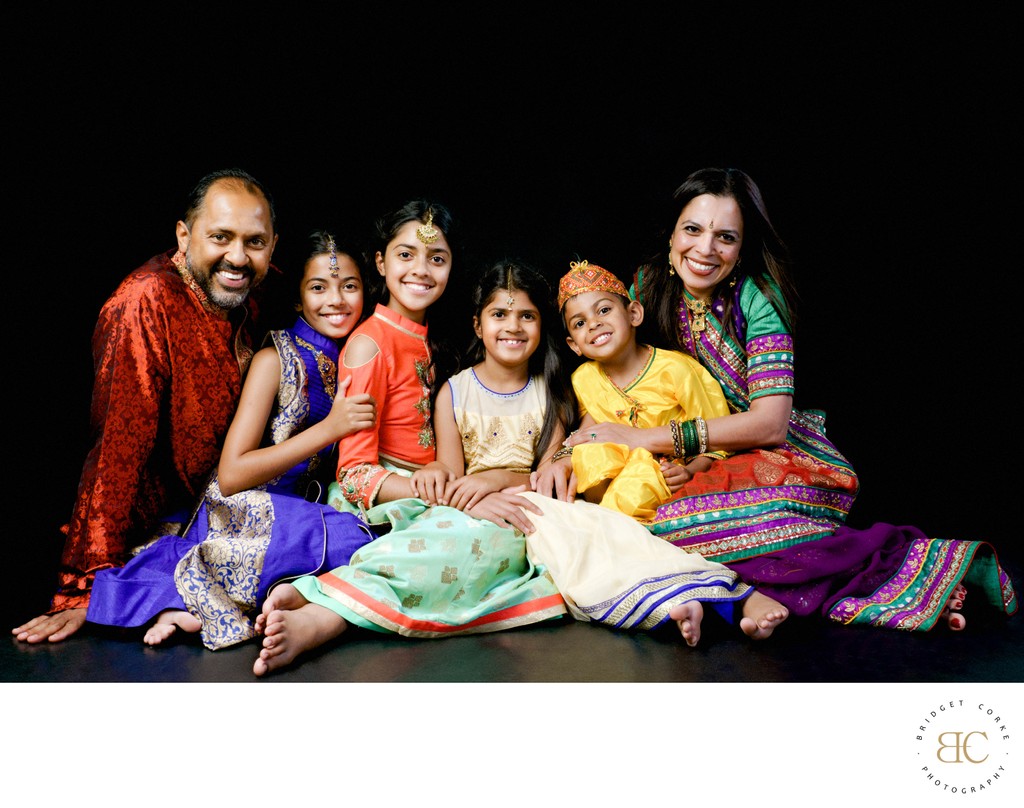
(672,386)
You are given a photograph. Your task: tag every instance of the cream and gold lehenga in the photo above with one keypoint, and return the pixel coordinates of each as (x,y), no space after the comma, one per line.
(440,572)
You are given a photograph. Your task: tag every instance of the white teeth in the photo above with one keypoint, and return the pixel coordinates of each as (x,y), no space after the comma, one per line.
(235,276)
(696,266)
(601,340)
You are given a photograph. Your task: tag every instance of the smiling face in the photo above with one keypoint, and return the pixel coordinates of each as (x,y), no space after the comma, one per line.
(601,326)
(230,243)
(415,273)
(706,243)
(331,305)
(510,333)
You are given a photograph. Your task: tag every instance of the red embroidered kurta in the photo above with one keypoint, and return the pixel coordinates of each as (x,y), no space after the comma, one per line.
(169,371)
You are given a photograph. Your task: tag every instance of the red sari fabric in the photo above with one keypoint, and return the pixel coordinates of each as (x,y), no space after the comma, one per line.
(168,368)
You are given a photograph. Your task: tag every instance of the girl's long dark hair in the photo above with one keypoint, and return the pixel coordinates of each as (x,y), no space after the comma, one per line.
(279,306)
(547,361)
(765,259)
(441,335)
(319,243)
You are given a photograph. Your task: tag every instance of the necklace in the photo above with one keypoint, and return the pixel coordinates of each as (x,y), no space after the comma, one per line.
(631,414)
(698,309)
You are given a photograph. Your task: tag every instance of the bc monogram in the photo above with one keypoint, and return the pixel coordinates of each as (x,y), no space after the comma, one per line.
(961,745)
(960,732)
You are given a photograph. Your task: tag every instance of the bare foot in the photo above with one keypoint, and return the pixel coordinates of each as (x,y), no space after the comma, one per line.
(956,621)
(169,621)
(53,627)
(951,612)
(283,596)
(761,615)
(688,616)
(289,632)
(956,600)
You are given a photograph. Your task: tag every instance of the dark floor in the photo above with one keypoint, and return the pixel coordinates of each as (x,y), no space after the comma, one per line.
(991,649)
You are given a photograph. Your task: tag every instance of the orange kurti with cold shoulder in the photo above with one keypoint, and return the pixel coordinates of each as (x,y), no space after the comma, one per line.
(398,379)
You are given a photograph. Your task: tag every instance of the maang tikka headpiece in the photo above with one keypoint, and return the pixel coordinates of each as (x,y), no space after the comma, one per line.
(332,251)
(426,232)
(511,299)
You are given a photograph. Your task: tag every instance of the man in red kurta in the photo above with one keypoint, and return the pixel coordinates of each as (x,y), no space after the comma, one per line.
(170,349)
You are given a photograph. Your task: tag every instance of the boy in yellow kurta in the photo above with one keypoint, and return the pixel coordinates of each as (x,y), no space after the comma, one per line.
(634,385)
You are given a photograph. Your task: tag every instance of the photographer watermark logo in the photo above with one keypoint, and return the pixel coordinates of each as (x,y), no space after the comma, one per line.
(963,747)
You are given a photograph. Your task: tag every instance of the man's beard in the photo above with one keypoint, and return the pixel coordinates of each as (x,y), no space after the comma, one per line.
(223,298)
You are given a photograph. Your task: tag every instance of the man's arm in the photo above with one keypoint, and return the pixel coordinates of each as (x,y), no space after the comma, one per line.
(129,354)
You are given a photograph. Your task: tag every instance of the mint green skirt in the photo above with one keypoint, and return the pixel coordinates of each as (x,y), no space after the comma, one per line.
(436,572)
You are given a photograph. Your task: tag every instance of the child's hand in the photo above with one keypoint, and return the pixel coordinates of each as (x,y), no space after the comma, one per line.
(505,509)
(676,476)
(467,491)
(350,413)
(428,483)
(556,479)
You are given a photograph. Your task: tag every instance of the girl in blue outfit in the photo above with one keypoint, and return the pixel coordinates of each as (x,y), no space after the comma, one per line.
(259,521)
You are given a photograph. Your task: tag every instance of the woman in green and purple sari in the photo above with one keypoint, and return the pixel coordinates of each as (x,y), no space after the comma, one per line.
(774,511)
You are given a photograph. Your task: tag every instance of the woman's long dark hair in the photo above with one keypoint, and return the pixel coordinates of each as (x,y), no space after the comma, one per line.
(441,336)
(547,361)
(766,259)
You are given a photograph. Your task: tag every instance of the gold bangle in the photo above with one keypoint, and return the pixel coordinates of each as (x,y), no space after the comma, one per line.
(702,433)
(677,438)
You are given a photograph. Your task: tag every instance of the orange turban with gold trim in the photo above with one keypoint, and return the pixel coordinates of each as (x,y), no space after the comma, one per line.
(586,277)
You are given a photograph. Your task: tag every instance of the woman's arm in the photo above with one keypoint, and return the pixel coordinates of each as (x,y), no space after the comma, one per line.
(764,425)
(656,439)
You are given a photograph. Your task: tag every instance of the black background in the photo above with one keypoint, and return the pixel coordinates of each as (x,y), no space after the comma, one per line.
(883,147)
